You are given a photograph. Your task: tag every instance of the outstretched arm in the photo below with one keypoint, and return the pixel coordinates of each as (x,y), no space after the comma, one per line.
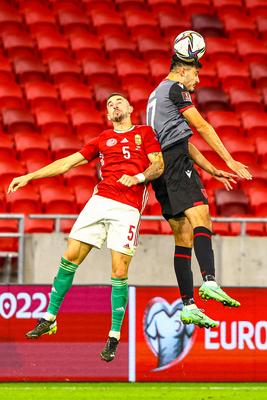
(225,177)
(208,133)
(154,170)
(55,168)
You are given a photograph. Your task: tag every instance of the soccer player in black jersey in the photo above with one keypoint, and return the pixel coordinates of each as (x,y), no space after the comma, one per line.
(183,199)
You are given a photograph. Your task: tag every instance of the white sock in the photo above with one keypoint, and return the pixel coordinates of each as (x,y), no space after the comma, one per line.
(114,334)
(49,317)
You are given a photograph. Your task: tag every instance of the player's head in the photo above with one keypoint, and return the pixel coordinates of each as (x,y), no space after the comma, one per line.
(118,107)
(186,71)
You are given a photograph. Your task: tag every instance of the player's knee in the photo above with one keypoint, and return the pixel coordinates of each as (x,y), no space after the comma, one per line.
(183,239)
(119,273)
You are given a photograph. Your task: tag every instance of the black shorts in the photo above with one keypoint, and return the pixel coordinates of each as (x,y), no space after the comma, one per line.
(180,187)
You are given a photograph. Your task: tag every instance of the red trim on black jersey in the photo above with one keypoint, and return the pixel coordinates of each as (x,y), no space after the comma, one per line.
(186,108)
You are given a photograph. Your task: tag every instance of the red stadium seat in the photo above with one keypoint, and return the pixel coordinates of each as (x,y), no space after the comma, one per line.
(90,118)
(261,22)
(64,70)
(159,68)
(261,147)
(233,73)
(29,69)
(52,44)
(70,20)
(196,7)
(102,91)
(131,68)
(83,194)
(208,76)
(15,120)
(225,122)
(6,74)
(8,226)
(245,99)
(36,13)
(221,228)
(252,49)
(86,134)
(31,144)
(242,150)
(259,178)
(138,94)
(106,19)
(51,117)
(39,225)
(137,18)
(235,24)
(153,47)
(165,228)
(58,200)
(252,228)
(9,19)
(82,176)
(41,94)
(93,69)
(33,164)
(66,5)
(75,94)
(119,45)
(9,169)
(258,73)
(2,203)
(211,98)
(10,95)
(171,23)
(258,201)
(149,228)
(231,203)
(15,44)
(220,49)
(254,123)
(62,146)
(85,44)
(228,6)
(6,147)
(24,201)
(207,25)
(256,7)
(130,4)
(264,95)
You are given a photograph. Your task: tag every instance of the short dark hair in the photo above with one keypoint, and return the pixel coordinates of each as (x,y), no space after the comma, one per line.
(177,62)
(117,94)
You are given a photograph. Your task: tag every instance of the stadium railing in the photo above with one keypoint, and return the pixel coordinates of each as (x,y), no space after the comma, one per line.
(19,254)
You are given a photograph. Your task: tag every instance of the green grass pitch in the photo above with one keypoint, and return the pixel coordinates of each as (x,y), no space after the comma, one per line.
(133,391)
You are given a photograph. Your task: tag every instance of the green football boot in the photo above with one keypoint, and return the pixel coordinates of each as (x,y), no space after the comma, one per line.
(42,327)
(216,293)
(197,317)
(109,351)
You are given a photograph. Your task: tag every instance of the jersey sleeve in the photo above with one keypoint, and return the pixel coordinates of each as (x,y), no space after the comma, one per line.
(91,149)
(180,97)
(150,141)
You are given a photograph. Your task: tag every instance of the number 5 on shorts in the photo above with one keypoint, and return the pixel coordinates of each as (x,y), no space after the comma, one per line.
(131,232)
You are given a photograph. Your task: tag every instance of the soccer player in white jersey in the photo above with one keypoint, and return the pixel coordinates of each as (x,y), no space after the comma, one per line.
(130,156)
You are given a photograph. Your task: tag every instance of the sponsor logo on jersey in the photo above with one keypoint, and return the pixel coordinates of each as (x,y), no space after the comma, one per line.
(126,246)
(124,140)
(111,142)
(188,173)
(137,139)
(186,96)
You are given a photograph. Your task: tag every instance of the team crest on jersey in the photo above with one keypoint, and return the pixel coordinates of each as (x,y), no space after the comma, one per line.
(186,96)
(137,139)
(111,142)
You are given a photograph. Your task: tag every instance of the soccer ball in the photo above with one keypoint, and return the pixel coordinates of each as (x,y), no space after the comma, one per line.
(189,46)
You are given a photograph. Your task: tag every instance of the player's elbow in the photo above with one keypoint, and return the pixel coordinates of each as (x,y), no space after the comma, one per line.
(160,168)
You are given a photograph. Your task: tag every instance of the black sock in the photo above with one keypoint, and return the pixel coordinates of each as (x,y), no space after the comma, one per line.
(182,267)
(204,252)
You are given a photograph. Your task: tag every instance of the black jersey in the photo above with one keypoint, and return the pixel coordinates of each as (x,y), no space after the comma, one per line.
(164,112)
